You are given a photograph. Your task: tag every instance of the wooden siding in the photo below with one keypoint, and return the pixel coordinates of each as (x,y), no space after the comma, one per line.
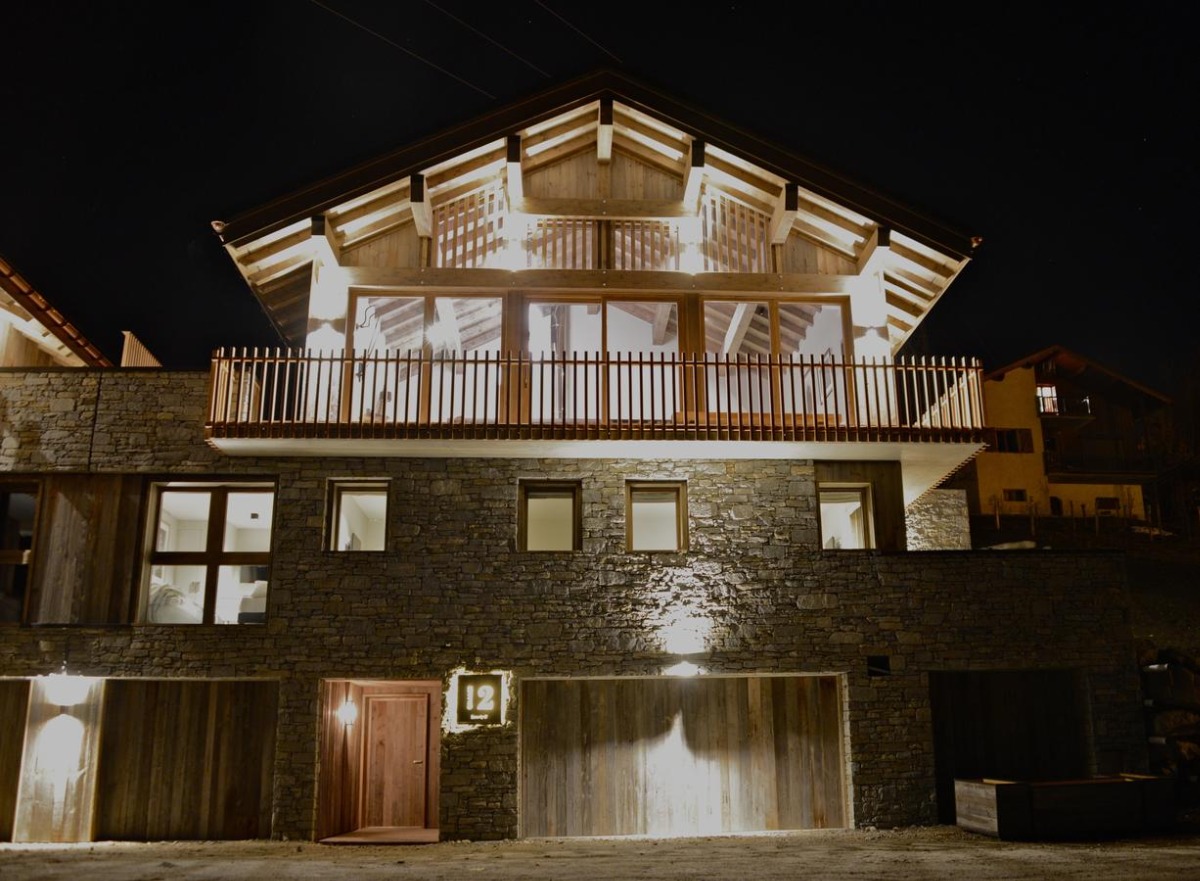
(631,179)
(397,247)
(887,496)
(1007,724)
(186,760)
(802,255)
(572,178)
(14,706)
(339,783)
(85,555)
(680,756)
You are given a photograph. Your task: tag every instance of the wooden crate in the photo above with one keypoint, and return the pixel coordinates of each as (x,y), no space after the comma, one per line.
(1014,809)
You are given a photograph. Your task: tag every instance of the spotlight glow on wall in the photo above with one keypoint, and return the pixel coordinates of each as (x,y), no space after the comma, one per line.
(684,632)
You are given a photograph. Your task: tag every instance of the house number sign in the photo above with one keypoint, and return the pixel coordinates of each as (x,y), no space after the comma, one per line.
(479,699)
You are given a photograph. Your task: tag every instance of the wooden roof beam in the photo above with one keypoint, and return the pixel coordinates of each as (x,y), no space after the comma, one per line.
(662,321)
(821,237)
(739,324)
(569,147)
(644,154)
(609,209)
(785,214)
(649,135)
(604,131)
(941,270)
(324,242)
(422,208)
(768,188)
(693,175)
(876,253)
(514,185)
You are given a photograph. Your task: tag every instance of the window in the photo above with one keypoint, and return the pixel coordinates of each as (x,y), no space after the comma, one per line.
(1047,398)
(1015,495)
(18,510)
(210,554)
(1010,440)
(656,516)
(358,515)
(1108,506)
(846,517)
(548,517)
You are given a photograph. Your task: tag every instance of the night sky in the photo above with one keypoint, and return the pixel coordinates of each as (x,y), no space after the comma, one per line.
(1065,137)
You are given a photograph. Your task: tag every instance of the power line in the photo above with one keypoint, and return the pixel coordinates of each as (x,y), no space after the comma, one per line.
(578,31)
(404,49)
(494,42)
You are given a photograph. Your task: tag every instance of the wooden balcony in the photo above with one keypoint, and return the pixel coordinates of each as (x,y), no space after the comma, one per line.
(296,394)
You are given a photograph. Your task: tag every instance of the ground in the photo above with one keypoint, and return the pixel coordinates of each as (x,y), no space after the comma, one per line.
(914,854)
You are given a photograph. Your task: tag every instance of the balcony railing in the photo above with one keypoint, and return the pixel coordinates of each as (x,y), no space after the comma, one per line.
(300,394)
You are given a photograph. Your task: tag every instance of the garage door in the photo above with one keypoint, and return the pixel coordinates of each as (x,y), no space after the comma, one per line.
(668,756)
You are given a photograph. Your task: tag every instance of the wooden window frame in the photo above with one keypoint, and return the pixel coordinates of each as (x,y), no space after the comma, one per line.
(865,494)
(525,488)
(679,487)
(23,557)
(339,486)
(1009,440)
(213,557)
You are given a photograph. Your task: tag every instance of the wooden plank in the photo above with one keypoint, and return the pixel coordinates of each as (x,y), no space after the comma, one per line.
(58,771)
(186,760)
(85,560)
(668,756)
(14,707)
(756,284)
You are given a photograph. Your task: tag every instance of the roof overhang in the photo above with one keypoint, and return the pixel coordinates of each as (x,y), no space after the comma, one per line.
(605,84)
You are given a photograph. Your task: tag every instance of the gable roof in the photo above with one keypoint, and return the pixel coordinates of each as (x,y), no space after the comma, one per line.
(684,156)
(1084,370)
(44,324)
(562,99)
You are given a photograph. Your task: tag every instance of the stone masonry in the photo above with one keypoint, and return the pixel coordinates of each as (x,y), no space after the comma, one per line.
(452,591)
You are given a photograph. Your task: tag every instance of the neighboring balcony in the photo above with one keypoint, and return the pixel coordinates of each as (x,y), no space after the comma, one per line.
(282,395)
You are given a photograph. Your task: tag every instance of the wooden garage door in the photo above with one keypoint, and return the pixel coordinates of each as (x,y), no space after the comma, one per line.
(186,760)
(680,756)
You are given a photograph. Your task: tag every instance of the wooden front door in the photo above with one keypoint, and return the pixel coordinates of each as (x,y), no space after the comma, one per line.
(395,767)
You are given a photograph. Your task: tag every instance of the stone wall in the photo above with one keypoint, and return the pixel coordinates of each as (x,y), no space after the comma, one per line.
(939,521)
(452,591)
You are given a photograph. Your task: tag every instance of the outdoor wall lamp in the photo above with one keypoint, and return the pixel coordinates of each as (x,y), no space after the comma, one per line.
(347,713)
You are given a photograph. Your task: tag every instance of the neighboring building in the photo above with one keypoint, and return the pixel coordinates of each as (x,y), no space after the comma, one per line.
(581,397)
(35,334)
(1068,437)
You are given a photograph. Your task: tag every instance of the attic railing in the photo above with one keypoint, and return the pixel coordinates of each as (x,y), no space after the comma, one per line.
(298,393)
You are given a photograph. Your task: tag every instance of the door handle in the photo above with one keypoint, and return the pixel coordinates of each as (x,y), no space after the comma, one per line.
(418,761)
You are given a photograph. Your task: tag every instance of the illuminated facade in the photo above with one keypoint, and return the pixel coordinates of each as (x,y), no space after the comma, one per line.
(580,501)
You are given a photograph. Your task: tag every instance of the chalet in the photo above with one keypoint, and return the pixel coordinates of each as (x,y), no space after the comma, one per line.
(585,493)
(1068,438)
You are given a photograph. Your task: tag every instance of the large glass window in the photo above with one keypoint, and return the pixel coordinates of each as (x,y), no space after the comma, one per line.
(396,332)
(656,516)
(210,554)
(18,509)
(740,337)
